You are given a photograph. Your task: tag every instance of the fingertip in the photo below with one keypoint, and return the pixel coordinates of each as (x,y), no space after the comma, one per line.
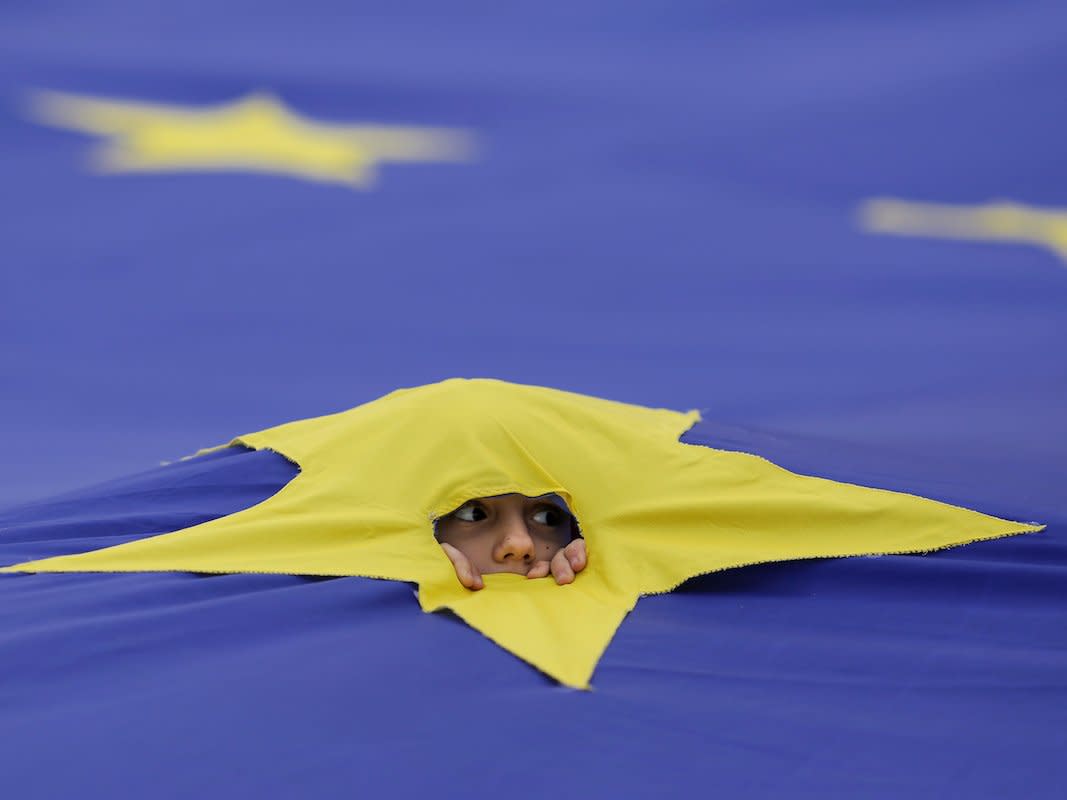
(563,574)
(539,570)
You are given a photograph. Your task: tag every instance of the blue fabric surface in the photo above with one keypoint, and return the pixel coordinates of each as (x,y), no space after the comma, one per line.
(664,209)
(932,676)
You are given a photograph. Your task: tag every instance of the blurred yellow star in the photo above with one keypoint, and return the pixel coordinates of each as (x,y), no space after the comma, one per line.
(255,134)
(1013,223)
(654,512)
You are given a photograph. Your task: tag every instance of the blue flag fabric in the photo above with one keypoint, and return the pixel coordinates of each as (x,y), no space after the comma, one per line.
(837,230)
(938,675)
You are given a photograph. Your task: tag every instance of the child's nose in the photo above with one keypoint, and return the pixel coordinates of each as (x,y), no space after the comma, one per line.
(514,546)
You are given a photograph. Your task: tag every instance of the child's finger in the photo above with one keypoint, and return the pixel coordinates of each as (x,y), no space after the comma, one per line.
(465,571)
(539,570)
(561,568)
(576,554)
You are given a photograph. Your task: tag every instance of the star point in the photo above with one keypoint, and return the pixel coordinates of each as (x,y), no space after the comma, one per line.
(999,221)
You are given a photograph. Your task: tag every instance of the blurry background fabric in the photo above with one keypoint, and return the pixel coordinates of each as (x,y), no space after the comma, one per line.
(838,230)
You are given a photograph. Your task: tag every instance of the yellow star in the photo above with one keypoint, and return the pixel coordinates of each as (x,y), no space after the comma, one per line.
(653,511)
(255,134)
(1008,222)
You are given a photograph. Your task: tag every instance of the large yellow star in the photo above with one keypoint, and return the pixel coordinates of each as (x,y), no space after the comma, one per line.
(256,133)
(1012,223)
(653,511)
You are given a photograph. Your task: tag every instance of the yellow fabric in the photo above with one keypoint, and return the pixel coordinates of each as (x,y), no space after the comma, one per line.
(653,511)
(257,133)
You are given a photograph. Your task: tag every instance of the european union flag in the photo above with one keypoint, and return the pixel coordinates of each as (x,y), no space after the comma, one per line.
(839,234)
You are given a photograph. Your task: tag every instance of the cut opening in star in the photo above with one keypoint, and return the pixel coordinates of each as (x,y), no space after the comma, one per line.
(531,536)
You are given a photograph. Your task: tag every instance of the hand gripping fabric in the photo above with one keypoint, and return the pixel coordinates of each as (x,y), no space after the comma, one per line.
(654,512)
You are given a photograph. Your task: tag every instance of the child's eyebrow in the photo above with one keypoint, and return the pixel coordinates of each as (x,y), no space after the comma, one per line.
(555,500)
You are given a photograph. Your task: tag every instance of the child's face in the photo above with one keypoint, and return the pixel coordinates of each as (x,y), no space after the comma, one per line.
(506,533)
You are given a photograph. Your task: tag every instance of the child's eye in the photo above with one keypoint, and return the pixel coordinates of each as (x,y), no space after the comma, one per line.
(470,512)
(548,516)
